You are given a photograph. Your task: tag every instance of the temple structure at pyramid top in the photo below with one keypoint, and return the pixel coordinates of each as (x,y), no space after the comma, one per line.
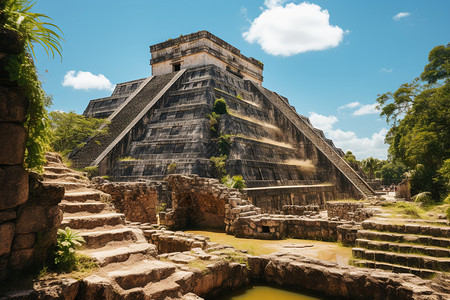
(160,125)
(200,49)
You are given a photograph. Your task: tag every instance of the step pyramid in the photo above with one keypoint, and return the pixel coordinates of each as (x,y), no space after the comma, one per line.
(163,121)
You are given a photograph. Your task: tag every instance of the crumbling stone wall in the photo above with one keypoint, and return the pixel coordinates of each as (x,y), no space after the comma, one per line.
(301,210)
(197,201)
(272,200)
(29,213)
(138,201)
(352,211)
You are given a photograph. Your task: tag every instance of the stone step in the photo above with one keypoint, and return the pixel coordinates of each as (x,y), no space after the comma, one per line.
(93,221)
(424,273)
(403,238)
(53,158)
(69,186)
(77,207)
(403,248)
(142,273)
(60,170)
(98,239)
(66,176)
(171,287)
(83,196)
(107,255)
(436,231)
(247,213)
(409,260)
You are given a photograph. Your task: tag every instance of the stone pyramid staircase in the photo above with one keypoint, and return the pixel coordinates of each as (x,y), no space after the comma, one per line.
(311,133)
(403,247)
(128,265)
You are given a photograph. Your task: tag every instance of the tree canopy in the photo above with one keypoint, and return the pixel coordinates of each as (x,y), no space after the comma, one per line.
(70,130)
(419,113)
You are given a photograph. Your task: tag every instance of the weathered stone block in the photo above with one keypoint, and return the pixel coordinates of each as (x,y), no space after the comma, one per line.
(12,105)
(24,241)
(6,237)
(13,186)
(12,144)
(33,218)
(21,259)
(7,215)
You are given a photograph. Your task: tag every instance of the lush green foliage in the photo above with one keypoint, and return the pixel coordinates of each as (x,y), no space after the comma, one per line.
(70,130)
(67,241)
(91,171)
(371,165)
(236,182)
(214,124)
(220,106)
(171,168)
(218,166)
(420,116)
(224,144)
(392,173)
(351,159)
(31,29)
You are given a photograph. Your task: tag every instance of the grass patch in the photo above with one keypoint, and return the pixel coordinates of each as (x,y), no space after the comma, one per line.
(127,158)
(405,209)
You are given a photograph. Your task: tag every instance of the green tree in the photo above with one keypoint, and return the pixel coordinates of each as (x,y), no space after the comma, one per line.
(220,106)
(419,113)
(392,173)
(370,166)
(351,159)
(70,130)
(31,28)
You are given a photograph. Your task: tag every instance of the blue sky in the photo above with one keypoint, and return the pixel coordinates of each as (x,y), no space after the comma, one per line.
(329,58)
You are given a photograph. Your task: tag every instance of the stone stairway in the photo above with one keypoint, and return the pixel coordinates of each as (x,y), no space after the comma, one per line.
(319,142)
(418,248)
(129,268)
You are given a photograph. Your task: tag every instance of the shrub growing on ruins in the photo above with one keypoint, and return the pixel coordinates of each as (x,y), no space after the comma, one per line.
(218,166)
(67,241)
(214,124)
(236,182)
(220,106)
(91,171)
(171,168)
(224,144)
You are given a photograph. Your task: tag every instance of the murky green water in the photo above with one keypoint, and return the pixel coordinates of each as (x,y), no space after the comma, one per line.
(265,293)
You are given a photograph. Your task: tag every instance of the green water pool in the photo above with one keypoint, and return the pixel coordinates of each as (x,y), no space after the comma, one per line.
(260,292)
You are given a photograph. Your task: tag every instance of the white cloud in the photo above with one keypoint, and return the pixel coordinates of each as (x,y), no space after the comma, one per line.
(386,70)
(400,15)
(322,122)
(292,29)
(366,110)
(348,140)
(350,105)
(273,3)
(86,81)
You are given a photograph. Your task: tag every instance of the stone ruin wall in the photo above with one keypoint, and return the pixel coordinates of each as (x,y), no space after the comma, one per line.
(138,201)
(273,199)
(348,211)
(29,213)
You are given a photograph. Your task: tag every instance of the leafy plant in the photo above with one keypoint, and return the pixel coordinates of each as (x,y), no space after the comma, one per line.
(236,182)
(31,29)
(224,144)
(171,168)
(214,124)
(126,158)
(67,241)
(220,106)
(218,166)
(91,171)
